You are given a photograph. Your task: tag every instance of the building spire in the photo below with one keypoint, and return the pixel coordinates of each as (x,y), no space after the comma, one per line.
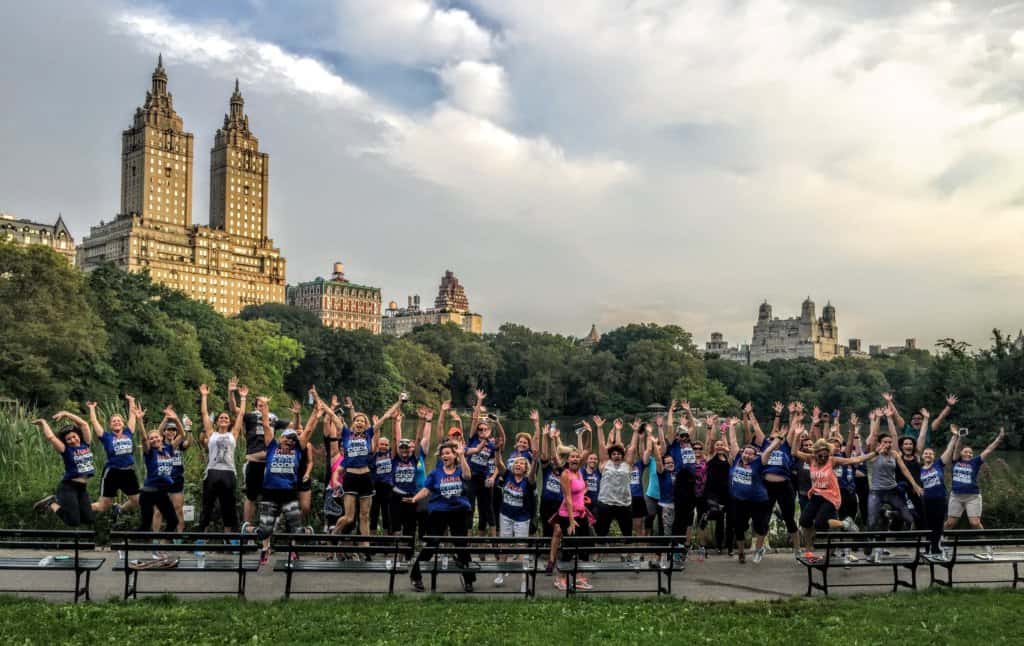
(160,61)
(159,77)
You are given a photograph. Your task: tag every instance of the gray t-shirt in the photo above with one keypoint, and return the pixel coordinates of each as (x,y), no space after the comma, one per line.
(882,473)
(221,452)
(615,485)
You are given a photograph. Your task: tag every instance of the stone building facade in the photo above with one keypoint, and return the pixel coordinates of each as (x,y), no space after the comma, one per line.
(26,232)
(450,306)
(339,303)
(793,338)
(720,347)
(229,264)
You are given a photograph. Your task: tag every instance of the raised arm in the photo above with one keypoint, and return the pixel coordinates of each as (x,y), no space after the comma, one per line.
(873,422)
(461,453)
(994,445)
(922,435)
(307,430)
(478,408)
(954,440)
(777,409)
(83,426)
(172,416)
(268,430)
(132,407)
(204,412)
(906,473)
(891,404)
(659,464)
(423,436)
(734,448)
(94,420)
(671,411)
(951,401)
(890,415)
(54,441)
(758,433)
(350,408)
(232,387)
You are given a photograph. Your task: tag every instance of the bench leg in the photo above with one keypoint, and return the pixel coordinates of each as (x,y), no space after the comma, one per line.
(895,578)
(241,584)
(824,581)
(810,580)
(288,583)
(78,583)
(1016,575)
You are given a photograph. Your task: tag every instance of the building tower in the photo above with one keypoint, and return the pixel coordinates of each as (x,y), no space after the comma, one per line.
(238,176)
(764,313)
(807,310)
(156,159)
(451,295)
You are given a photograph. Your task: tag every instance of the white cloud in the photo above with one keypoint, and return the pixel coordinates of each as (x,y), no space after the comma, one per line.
(411,32)
(478,88)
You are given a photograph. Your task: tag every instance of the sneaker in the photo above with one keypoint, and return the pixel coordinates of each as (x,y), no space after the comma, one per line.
(758,555)
(467,585)
(43,506)
(245,527)
(560,583)
(417,585)
(264,557)
(549,568)
(499,580)
(583,584)
(115,513)
(849,525)
(742,557)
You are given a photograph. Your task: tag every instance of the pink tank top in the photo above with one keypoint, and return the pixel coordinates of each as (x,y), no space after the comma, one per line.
(825,484)
(577,487)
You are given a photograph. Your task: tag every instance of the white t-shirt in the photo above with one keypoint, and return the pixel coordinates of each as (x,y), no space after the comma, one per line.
(221,452)
(615,485)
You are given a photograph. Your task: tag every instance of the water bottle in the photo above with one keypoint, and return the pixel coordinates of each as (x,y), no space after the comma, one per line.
(388,563)
(187,423)
(526,563)
(311,402)
(444,562)
(200,555)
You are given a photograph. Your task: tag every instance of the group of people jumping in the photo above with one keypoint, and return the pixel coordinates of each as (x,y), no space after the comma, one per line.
(727,473)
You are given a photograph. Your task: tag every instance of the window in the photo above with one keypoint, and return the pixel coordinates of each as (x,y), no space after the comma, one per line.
(167,171)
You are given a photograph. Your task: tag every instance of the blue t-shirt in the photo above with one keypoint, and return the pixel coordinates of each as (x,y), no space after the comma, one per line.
(636,480)
(666,485)
(780,461)
(282,470)
(403,473)
(965,475)
(178,460)
(653,486)
(747,482)
(447,492)
(682,456)
(844,474)
(515,493)
(593,480)
(356,447)
(382,468)
(552,484)
(120,450)
(478,461)
(159,467)
(516,453)
(78,461)
(933,481)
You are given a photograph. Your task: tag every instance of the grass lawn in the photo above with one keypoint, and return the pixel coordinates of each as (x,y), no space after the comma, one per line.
(927,619)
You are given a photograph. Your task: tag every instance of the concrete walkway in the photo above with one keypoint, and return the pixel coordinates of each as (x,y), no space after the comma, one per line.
(718,578)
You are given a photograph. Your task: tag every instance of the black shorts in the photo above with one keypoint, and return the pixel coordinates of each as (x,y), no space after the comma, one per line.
(817,513)
(639,507)
(359,484)
(177,485)
(115,480)
(254,479)
(305,485)
(583,524)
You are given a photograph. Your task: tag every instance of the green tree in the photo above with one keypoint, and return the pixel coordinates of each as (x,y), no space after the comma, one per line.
(423,376)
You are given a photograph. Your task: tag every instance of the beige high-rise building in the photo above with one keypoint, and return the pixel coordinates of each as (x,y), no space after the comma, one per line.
(229,264)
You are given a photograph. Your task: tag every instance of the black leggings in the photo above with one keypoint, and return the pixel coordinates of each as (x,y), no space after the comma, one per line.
(862,499)
(403,515)
(437,522)
(381,506)
(481,497)
(75,504)
(934,517)
(548,508)
(219,486)
(781,493)
(718,511)
(848,505)
(747,513)
(159,499)
(622,515)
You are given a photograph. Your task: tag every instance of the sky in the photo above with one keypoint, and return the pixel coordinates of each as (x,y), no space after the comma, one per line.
(574,163)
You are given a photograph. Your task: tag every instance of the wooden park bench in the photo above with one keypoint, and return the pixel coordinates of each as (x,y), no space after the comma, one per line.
(909,545)
(222,552)
(662,556)
(978,547)
(73,541)
(337,554)
(521,557)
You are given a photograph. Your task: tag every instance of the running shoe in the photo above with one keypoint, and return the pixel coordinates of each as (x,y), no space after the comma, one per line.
(742,557)
(467,585)
(583,583)
(849,525)
(499,580)
(758,555)
(417,585)
(264,557)
(245,526)
(560,583)
(549,568)
(43,506)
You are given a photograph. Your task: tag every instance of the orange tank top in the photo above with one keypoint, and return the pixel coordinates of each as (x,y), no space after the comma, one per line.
(825,484)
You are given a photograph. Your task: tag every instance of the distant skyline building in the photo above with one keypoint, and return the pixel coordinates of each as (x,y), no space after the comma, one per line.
(720,347)
(792,338)
(339,303)
(26,233)
(450,306)
(229,264)
(592,338)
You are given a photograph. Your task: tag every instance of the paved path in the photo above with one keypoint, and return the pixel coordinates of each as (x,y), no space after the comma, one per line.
(719,578)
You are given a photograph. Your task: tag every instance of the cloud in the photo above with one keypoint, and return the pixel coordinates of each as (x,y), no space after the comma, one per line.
(411,32)
(478,88)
